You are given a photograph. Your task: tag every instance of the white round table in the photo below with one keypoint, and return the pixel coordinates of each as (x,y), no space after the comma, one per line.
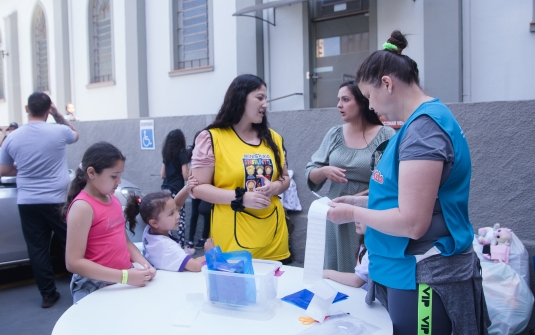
(123,309)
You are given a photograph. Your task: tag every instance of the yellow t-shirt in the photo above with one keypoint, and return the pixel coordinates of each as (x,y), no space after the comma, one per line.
(263,232)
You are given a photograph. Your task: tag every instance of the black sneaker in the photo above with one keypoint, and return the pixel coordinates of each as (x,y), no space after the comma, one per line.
(200,244)
(190,245)
(50,301)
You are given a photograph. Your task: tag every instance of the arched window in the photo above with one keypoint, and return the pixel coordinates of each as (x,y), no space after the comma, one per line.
(101,41)
(40,50)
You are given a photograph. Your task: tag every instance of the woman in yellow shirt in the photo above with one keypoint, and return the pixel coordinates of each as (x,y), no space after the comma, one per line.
(245,216)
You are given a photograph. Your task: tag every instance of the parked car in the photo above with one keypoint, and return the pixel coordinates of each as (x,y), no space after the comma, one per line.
(13,249)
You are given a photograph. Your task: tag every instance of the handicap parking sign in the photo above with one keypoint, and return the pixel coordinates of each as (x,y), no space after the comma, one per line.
(146,132)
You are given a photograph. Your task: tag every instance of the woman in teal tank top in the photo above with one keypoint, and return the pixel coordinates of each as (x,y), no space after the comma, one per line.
(418,233)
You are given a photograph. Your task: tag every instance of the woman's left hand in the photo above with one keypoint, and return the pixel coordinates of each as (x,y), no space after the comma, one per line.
(269,189)
(343,213)
(340,212)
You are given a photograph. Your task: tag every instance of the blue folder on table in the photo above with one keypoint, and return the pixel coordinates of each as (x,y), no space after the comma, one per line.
(302,298)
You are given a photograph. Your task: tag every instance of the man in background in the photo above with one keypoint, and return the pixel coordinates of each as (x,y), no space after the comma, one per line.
(38,149)
(12,127)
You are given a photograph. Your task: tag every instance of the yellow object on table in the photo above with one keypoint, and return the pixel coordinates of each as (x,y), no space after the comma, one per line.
(306,320)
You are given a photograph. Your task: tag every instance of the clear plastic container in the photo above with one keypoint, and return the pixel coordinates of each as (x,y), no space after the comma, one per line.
(241,295)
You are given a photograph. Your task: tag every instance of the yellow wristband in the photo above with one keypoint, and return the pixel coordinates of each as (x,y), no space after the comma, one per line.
(125,277)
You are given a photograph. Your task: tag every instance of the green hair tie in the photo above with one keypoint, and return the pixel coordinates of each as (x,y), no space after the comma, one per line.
(391,47)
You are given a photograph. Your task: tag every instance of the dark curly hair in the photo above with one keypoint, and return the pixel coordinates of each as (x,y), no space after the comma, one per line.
(148,207)
(99,156)
(174,144)
(233,107)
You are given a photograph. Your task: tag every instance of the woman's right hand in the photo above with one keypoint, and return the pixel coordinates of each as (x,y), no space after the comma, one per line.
(139,276)
(255,200)
(334,174)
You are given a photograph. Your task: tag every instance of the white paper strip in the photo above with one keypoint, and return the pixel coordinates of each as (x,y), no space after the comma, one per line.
(320,304)
(315,244)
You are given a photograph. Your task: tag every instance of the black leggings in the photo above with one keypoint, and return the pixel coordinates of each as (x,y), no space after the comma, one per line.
(199,206)
(403,310)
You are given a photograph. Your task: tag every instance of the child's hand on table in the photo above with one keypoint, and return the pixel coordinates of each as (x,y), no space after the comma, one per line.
(138,276)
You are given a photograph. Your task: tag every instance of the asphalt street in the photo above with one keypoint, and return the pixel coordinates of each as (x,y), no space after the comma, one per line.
(20,307)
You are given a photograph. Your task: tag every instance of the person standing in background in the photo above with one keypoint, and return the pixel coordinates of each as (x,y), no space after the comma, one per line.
(12,127)
(39,148)
(70,113)
(201,207)
(344,158)
(173,172)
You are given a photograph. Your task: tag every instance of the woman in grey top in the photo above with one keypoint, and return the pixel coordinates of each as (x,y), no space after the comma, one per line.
(344,158)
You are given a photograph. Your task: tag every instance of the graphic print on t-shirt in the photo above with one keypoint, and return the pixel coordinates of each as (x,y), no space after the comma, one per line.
(113,222)
(256,164)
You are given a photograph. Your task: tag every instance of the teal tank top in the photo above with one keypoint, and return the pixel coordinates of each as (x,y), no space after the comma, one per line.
(389,265)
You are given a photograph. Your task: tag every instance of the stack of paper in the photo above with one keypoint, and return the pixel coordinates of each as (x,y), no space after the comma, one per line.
(315,244)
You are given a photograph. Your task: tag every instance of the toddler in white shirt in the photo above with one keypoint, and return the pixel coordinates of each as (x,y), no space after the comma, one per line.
(161,213)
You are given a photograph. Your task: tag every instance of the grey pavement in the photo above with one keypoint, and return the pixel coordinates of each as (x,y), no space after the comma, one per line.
(21,312)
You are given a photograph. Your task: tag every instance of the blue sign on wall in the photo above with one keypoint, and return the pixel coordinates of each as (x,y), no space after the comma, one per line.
(146,131)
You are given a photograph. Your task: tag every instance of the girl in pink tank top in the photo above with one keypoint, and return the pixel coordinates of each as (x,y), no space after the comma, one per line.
(98,251)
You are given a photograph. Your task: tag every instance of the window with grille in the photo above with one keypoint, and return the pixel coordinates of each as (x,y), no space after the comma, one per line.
(192,35)
(101,47)
(40,51)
